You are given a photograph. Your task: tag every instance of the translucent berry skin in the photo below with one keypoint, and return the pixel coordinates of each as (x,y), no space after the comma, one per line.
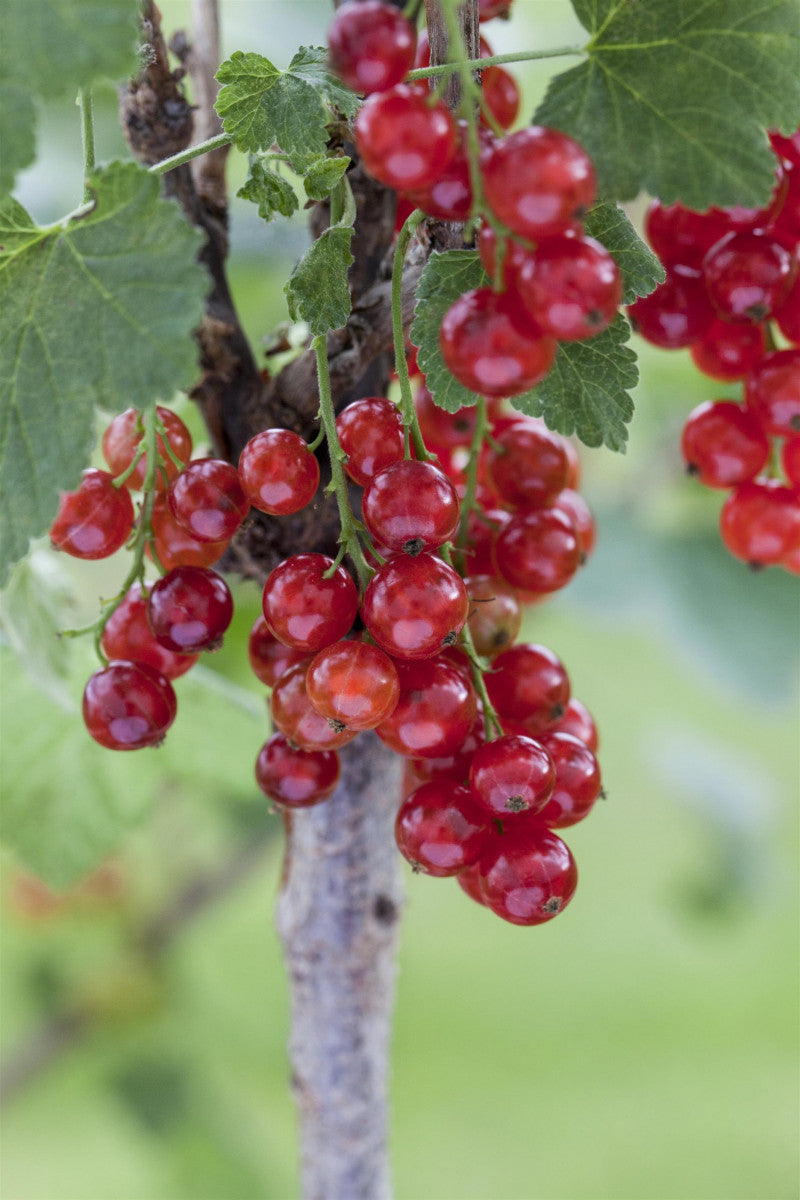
(269,658)
(371,45)
(760,522)
(294,715)
(128,705)
(353,684)
(303,609)
(501,95)
(538,181)
(682,236)
(577,781)
(748,276)
(470,883)
(729,351)
(511,775)
(787,317)
(413,607)
(677,313)
(787,147)
(371,435)
(514,257)
(578,721)
(95,520)
(121,441)
(489,9)
(435,712)
(528,877)
(529,683)
(208,500)
(405,141)
(453,766)
(175,547)
(772,392)
(189,610)
(481,535)
(538,551)
(495,615)
(490,345)
(296,778)
(439,829)
(411,506)
(449,197)
(723,444)
(573,506)
(571,287)
(440,429)
(278,472)
(128,636)
(527,465)
(790,461)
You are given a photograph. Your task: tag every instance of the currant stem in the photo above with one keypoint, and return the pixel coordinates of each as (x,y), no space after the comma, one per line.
(495,60)
(184,156)
(87,137)
(476,667)
(468,500)
(410,422)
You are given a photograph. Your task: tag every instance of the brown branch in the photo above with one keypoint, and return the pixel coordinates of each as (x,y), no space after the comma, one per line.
(208,171)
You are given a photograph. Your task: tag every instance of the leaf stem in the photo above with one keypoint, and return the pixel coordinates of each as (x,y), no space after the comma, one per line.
(410,422)
(177,160)
(494,60)
(87,137)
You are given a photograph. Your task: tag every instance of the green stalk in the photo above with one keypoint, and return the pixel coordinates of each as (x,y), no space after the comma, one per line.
(476,666)
(87,137)
(410,422)
(495,60)
(177,160)
(468,501)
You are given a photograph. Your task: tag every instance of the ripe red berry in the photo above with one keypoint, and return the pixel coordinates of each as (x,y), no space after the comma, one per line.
(760,522)
(538,181)
(295,716)
(491,346)
(500,95)
(495,615)
(514,255)
(208,500)
(577,511)
(529,683)
(296,778)
(578,721)
(449,196)
(748,276)
(772,392)
(571,287)
(174,546)
(440,829)
(127,635)
(435,712)
(371,45)
(128,705)
(469,880)
(453,766)
(278,472)
(353,685)
(790,460)
(577,781)
(681,236)
(124,434)
(527,877)
(787,317)
(269,658)
(729,351)
(677,313)
(405,137)
(723,444)
(538,551)
(511,775)
(189,610)
(442,430)
(413,607)
(95,520)
(527,464)
(410,506)
(303,608)
(371,435)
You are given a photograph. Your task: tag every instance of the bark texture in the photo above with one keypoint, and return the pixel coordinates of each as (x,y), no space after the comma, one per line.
(338,919)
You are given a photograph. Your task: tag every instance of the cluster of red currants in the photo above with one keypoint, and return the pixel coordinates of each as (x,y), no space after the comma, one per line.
(732,295)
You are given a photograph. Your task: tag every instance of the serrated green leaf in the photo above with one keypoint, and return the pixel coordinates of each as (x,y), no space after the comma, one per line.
(29,614)
(586,389)
(317,291)
(675,95)
(17,132)
(641,270)
(99,312)
(322,175)
(261,105)
(445,277)
(270,191)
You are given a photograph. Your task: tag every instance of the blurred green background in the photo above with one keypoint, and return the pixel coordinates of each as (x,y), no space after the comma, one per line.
(643,1046)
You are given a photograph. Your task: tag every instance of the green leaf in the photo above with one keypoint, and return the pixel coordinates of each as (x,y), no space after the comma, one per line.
(270,191)
(322,175)
(261,106)
(17,132)
(446,277)
(586,390)
(641,270)
(317,291)
(97,312)
(30,614)
(675,95)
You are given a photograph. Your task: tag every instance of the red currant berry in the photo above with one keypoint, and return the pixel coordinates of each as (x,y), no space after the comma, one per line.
(489,9)
(529,683)
(790,460)
(371,435)
(295,716)
(413,607)
(278,472)
(95,520)
(729,351)
(442,430)
(772,392)
(127,635)
(512,775)
(786,147)
(123,436)
(577,781)
(482,530)
(208,500)
(538,551)
(677,313)
(573,506)
(296,778)
(681,236)
(490,345)
(495,615)
(470,883)
(787,317)
(405,138)
(448,197)
(527,465)
(500,95)
(578,721)
(571,287)
(538,182)
(371,45)
(189,610)
(452,766)
(411,506)
(128,705)
(353,685)
(723,444)
(760,522)
(269,658)
(527,877)
(435,712)
(303,608)
(174,546)
(748,276)
(514,255)
(440,829)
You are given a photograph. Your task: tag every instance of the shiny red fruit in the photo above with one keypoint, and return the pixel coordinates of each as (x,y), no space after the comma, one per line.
(573,506)
(128,636)
(371,45)
(353,684)
(538,551)
(371,435)
(128,705)
(723,444)
(578,721)
(189,610)
(295,716)
(296,778)
(269,658)
(729,351)
(538,182)
(410,506)
(500,95)
(571,287)
(95,520)
(790,461)
(527,465)
(514,255)
(405,137)
(440,829)
(748,276)
(760,522)
(527,878)
(123,436)
(677,313)
(491,346)
(510,775)
(174,546)
(681,236)
(303,608)
(413,607)
(577,781)
(278,472)
(529,683)
(772,392)
(495,615)
(208,500)
(435,712)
